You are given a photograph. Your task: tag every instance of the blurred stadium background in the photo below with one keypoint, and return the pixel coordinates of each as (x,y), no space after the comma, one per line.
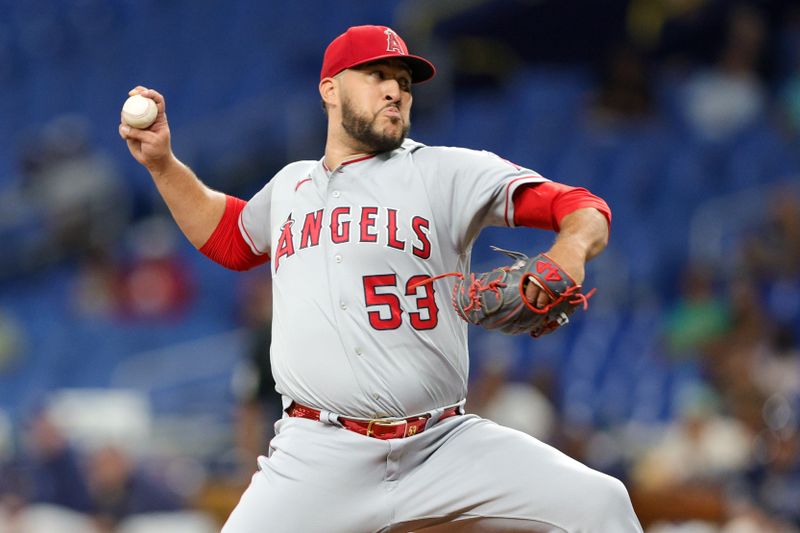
(131,394)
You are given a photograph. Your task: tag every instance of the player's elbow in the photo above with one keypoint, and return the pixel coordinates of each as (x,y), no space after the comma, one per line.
(599,238)
(604,232)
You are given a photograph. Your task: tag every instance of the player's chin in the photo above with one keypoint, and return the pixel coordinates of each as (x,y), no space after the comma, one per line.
(393,135)
(395,130)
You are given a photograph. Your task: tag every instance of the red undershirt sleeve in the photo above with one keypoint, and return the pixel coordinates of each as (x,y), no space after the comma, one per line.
(226,245)
(543,205)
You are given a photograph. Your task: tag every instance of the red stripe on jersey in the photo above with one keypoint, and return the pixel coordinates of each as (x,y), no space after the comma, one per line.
(508,189)
(544,205)
(226,245)
(358,159)
(350,162)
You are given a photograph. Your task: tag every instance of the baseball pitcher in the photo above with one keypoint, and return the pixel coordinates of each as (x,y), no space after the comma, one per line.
(369,248)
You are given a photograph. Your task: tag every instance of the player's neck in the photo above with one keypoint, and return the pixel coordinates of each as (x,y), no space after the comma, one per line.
(336,154)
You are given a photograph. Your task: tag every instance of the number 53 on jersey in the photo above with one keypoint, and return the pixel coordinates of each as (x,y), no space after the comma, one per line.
(385,311)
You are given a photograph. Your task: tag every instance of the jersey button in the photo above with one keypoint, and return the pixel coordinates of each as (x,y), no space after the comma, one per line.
(359,351)
(337,258)
(336,194)
(343,306)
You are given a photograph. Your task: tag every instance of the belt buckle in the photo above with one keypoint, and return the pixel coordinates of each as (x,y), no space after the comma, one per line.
(383,422)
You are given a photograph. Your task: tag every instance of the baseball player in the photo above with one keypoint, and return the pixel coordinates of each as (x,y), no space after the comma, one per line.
(367,353)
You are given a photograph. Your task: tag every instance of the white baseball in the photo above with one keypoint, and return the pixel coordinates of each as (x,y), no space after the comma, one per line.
(139,112)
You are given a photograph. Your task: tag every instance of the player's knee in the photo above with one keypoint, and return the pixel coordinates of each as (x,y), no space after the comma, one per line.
(605,500)
(617,497)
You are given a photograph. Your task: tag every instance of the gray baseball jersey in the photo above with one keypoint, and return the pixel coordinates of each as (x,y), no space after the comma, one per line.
(349,335)
(352,337)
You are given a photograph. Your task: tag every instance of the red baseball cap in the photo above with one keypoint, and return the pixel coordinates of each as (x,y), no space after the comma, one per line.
(363,44)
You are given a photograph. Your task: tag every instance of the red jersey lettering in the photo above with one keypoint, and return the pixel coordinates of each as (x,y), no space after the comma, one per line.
(311,228)
(420,227)
(394,242)
(340,231)
(285,246)
(368,215)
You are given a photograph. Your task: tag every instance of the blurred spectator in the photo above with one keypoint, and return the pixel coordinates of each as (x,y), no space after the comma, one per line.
(12,339)
(624,92)
(681,30)
(691,526)
(120,489)
(756,521)
(10,484)
(51,471)
(772,257)
(6,442)
(728,367)
(774,251)
(41,518)
(776,367)
(98,284)
(516,404)
(259,403)
(76,190)
(769,491)
(727,98)
(699,319)
(155,283)
(789,56)
(748,323)
(790,102)
(702,446)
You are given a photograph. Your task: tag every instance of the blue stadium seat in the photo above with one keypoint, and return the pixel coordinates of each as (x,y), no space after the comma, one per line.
(547,104)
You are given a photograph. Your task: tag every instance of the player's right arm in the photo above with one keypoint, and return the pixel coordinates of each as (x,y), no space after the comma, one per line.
(196,208)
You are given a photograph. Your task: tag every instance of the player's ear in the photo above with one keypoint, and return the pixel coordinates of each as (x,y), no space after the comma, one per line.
(328,91)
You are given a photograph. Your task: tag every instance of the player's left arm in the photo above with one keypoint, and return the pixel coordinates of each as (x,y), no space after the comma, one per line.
(581,219)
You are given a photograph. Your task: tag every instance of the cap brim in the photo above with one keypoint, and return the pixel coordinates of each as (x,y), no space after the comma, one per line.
(421,68)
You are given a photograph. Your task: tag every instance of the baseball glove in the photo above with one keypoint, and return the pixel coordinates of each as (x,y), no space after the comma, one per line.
(496,300)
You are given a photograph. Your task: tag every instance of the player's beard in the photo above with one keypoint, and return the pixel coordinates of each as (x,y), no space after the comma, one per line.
(366,132)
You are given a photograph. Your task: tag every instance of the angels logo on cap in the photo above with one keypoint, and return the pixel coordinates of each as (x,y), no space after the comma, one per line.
(364,44)
(393,42)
